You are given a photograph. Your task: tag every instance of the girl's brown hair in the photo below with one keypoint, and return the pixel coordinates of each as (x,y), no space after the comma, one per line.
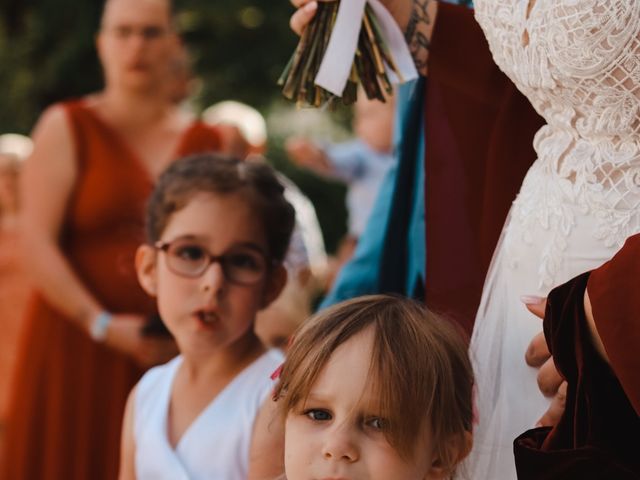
(420,368)
(219,174)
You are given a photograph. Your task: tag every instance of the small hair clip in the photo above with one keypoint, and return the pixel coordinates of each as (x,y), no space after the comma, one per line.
(276,373)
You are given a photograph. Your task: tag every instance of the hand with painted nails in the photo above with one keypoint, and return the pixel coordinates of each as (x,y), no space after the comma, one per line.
(550,381)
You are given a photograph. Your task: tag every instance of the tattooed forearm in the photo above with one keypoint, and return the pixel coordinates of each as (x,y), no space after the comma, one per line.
(416,32)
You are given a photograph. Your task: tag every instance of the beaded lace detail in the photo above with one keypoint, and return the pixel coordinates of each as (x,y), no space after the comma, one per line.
(578,62)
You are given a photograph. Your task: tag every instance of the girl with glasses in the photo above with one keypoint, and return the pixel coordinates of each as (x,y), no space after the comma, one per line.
(218,230)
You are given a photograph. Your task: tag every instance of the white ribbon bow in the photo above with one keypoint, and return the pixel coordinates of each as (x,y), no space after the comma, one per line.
(338,59)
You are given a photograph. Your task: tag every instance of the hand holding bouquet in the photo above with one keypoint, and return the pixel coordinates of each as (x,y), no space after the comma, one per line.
(336,53)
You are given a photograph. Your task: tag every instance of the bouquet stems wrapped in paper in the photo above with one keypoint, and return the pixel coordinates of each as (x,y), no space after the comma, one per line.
(369,65)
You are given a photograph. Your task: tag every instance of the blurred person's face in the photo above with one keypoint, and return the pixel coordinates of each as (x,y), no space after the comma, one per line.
(274,331)
(373,122)
(233,141)
(135,43)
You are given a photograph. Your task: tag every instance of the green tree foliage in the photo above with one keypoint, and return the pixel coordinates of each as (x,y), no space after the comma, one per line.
(238,47)
(47,52)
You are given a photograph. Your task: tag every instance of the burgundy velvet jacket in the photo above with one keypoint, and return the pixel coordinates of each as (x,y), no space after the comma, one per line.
(478,147)
(598,437)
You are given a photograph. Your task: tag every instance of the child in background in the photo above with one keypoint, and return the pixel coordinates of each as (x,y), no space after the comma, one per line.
(376,388)
(361,163)
(218,229)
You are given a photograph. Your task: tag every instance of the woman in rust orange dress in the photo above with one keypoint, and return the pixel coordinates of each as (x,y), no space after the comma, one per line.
(14,286)
(84,189)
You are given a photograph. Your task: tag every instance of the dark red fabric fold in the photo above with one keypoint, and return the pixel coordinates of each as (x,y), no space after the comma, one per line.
(479,133)
(598,434)
(614,291)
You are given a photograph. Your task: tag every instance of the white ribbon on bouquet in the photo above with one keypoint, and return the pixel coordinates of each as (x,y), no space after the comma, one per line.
(336,65)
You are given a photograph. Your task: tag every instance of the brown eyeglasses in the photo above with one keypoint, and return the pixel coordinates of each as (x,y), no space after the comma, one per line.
(241,264)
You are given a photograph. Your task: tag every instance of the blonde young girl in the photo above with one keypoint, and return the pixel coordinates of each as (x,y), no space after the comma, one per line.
(217,230)
(375,388)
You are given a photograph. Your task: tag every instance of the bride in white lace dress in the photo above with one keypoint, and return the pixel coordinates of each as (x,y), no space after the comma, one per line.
(578,62)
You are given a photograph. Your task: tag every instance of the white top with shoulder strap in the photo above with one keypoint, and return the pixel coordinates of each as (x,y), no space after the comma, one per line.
(216,445)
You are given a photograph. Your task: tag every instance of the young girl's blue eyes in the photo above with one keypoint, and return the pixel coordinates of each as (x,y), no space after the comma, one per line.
(377,423)
(318,415)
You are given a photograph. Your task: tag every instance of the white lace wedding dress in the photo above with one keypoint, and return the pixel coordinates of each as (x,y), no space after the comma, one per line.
(578,62)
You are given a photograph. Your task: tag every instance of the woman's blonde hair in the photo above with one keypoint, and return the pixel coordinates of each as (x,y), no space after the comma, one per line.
(420,369)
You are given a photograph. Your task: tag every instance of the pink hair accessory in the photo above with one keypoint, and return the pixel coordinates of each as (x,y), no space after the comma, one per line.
(277,372)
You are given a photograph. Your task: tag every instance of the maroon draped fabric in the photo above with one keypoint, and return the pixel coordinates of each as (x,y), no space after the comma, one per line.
(614,291)
(479,135)
(598,436)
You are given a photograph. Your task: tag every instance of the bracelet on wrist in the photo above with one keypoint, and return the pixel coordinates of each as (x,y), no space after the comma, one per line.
(99,326)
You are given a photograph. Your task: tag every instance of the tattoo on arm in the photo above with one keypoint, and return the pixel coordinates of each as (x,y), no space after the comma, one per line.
(415,32)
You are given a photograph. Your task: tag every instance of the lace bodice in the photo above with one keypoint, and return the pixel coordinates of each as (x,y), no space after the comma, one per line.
(578,62)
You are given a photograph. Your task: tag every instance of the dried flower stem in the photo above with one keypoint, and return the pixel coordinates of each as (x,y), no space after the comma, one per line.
(369,68)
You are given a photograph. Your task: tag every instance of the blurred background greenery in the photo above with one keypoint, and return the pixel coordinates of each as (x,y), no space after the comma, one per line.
(239,48)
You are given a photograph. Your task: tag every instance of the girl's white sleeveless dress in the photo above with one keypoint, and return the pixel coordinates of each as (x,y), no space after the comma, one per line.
(578,62)
(216,445)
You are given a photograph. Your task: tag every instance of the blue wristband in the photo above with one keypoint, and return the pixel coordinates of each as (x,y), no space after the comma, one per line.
(98,330)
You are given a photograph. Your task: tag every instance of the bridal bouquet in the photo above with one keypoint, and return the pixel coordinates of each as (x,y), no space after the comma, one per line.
(363,56)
